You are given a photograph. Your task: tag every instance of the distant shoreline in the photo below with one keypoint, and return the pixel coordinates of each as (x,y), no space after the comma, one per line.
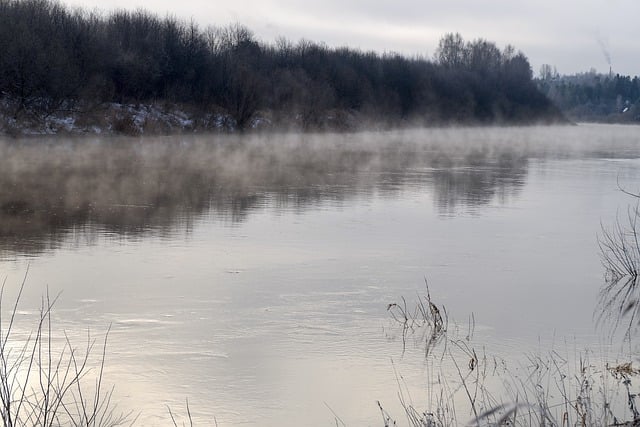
(155,120)
(68,70)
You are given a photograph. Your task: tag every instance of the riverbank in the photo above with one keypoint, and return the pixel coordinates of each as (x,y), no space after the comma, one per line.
(137,119)
(112,119)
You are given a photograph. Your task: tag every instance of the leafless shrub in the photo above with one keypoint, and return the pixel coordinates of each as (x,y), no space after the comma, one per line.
(620,255)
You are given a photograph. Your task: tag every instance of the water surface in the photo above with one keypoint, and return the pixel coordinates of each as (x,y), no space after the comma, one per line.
(252,274)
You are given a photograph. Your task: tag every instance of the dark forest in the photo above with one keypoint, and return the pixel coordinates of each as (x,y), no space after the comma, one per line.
(57,61)
(592,96)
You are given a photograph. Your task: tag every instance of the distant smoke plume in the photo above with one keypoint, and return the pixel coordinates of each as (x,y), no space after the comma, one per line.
(605,49)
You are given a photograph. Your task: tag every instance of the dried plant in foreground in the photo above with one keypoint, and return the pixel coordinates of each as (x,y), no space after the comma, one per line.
(466,386)
(44,386)
(620,255)
(426,319)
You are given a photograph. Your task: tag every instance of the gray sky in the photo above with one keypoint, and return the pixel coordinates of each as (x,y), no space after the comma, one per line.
(574,35)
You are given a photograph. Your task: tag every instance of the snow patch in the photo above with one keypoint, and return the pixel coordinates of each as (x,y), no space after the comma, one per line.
(117,118)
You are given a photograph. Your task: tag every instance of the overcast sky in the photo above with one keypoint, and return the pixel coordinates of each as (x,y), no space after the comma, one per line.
(573,35)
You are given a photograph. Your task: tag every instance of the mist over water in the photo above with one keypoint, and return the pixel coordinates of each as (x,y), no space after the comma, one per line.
(161,185)
(251,274)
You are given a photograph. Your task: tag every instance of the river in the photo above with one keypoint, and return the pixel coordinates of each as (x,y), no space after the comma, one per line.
(251,274)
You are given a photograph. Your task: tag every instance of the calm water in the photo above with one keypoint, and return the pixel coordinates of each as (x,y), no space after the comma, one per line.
(252,275)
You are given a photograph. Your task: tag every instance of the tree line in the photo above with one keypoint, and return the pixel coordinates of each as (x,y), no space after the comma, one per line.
(593,96)
(54,58)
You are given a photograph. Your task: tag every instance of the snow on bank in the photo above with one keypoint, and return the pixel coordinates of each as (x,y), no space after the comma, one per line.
(115,118)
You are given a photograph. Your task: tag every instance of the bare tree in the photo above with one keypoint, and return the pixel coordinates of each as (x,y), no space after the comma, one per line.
(451,51)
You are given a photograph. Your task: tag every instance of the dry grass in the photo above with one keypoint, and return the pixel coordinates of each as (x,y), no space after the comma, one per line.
(41,385)
(620,255)
(471,387)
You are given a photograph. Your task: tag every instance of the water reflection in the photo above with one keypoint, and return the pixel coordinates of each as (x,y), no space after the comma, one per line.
(51,189)
(477,186)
